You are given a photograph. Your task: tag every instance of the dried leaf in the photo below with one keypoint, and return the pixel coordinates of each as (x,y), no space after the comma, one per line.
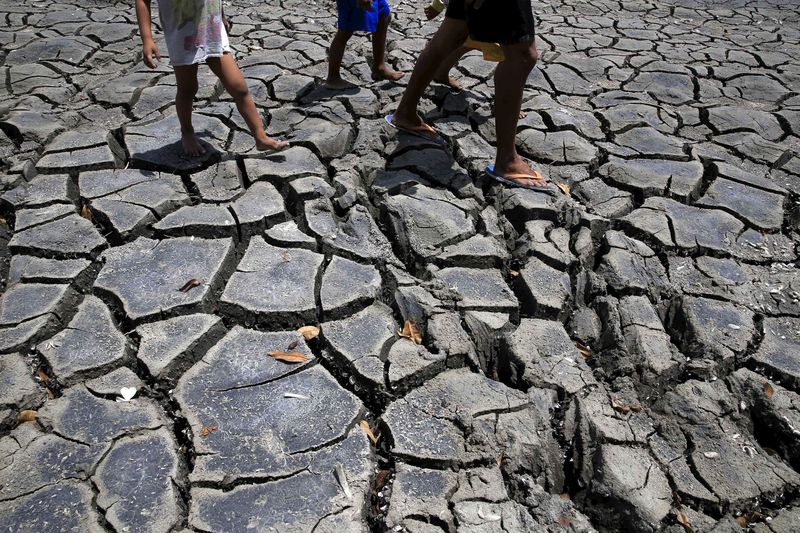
(368,430)
(289,357)
(564,521)
(50,394)
(292,345)
(189,285)
(585,351)
(636,408)
(684,521)
(208,430)
(514,273)
(308,332)
(380,480)
(27,416)
(86,212)
(742,521)
(619,406)
(411,332)
(341,476)
(564,496)
(564,188)
(42,375)
(768,390)
(500,457)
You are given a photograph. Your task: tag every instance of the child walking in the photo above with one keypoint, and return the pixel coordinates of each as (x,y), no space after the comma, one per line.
(491,51)
(370,16)
(195,34)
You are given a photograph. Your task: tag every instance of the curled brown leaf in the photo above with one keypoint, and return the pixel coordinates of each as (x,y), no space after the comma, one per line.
(309,332)
(289,357)
(364,425)
(208,430)
(619,406)
(189,285)
(564,188)
(585,351)
(86,212)
(683,520)
(411,332)
(27,416)
(768,390)
(42,375)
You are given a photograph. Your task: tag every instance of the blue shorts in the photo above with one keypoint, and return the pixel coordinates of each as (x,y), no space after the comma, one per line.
(351,18)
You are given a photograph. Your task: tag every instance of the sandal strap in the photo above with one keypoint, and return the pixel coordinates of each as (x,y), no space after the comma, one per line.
(520,175)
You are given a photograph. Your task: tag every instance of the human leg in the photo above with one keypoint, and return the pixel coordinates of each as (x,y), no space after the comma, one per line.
(228,72)
(186,81)
(510,78)
(380,70)
(335,55)
(448,38)
(443,72)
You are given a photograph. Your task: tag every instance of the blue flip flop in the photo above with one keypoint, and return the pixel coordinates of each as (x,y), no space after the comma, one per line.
(432,136)
(506,180)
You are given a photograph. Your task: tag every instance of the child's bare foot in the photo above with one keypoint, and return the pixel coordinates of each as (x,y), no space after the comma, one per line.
(384,72)
(270,144)
(450,82)
(338,84)
(191,145)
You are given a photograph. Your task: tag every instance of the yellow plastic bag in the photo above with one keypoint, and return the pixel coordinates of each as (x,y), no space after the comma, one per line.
(491,51)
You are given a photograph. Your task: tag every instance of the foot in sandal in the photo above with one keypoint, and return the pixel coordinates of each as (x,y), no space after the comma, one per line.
(519,174)
(417,128)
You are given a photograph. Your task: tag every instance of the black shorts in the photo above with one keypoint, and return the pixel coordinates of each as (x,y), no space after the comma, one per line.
(495,21)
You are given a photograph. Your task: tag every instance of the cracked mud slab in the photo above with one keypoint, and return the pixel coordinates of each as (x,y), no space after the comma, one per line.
(619,356)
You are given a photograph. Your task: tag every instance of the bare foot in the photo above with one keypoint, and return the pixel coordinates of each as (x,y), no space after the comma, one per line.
(270,144)
(384,72)
(338,84)
(450,82)
(191,145)
(522,173)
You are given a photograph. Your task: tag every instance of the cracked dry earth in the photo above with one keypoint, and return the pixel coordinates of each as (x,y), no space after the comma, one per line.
(621,357)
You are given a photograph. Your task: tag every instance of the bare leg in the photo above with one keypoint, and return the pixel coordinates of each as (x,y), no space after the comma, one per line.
(509,81)
(380,70)
(448,39)
(228,72)
(335,55)
(186,80)
(443,72)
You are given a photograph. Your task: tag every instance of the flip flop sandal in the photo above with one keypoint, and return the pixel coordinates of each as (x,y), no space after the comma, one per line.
(422,132)
(507,180)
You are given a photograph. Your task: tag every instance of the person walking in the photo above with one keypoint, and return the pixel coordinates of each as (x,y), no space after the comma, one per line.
(509,23)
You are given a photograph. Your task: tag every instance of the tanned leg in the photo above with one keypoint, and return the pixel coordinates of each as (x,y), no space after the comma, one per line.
(380,70)
(448,39)
(186,80)
(443,72)
(509,82)
(228,72)
(335,54)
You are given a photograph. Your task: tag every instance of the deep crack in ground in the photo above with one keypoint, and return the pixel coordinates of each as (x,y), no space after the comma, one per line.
(624,356)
